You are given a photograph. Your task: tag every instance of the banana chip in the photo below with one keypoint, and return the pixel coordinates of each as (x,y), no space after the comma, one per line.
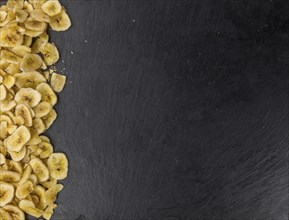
(15,212)
(60,22)
(29,167)
(31,62)
(29,80)
(18,139)
(20,15)
(24,190)
(50,53)
(6,193)
(51,8)
(11,36)
(28,96)
(3,92)
(39,15)
(42,109)
(6,216)
(21,50)
(57,82)
(35,25)
(58,166)
(39,169)
(18,156)
(29,207)
(24,111)
(10,57)
(47,93)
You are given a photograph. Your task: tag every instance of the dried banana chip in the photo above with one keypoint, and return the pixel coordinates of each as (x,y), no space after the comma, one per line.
(57,82)
(31,62)
(50,53)
(11,36)
(60,22)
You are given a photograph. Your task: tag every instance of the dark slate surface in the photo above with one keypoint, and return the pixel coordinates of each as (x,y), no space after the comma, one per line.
(174,110)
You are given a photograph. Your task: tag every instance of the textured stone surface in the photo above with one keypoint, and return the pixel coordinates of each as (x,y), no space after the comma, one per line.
(174,110)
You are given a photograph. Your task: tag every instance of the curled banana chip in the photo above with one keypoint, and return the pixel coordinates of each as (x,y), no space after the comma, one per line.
(6,193)
(24,111)
(29,167)
(24,190)
(15,212)
(18,156)
(39,169)
(57,82)
(50,53)
(35,25)
(29,207)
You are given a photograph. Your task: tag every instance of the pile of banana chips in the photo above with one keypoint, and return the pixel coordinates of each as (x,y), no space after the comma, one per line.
(29,83)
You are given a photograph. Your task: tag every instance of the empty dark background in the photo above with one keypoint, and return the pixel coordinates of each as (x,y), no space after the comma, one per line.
(174,110)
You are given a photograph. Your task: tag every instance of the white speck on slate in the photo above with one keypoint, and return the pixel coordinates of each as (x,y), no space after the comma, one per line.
(85,41)
(71,52)
(133,20)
